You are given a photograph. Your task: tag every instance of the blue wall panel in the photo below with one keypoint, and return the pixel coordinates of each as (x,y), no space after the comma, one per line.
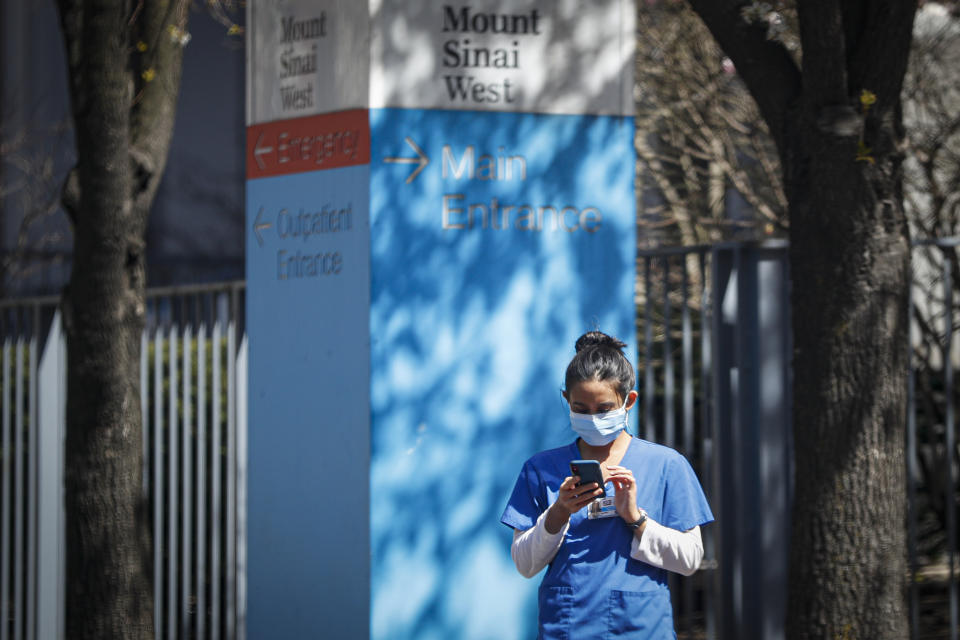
(471,330)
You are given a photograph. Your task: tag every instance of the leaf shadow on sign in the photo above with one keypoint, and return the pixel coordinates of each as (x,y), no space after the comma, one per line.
(563,60)
(471,331)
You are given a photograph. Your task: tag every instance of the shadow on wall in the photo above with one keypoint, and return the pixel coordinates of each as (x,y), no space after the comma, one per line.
(573,48)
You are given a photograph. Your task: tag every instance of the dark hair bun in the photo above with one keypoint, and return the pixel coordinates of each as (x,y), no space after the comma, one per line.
(593,339)
(600,357)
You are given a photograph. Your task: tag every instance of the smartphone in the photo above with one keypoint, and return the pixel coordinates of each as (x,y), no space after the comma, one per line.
(589,471)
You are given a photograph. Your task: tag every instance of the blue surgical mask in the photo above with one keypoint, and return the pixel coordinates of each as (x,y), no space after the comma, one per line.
(599,429)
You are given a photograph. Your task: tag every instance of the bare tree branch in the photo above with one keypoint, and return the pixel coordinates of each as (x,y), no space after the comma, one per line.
(765,65)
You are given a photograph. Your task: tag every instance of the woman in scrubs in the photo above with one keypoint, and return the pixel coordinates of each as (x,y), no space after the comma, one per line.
(607,563)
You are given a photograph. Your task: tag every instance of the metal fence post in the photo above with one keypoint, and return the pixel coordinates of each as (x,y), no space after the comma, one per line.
(5,532)
(949,446)
(51,570)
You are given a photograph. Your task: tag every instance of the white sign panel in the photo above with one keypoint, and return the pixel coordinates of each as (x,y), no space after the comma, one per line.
(540,56)
(290,44)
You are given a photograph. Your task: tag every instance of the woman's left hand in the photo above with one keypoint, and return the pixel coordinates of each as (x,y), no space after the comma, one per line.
(625,498)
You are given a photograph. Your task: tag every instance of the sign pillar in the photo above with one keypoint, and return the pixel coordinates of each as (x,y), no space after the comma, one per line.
(439,201)
(308,301)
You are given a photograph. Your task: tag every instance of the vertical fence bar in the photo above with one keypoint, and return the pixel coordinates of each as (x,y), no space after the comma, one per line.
(61,459)
(687,347)
(201,585)
(648,380)
(33,463)
(187,469)
(706,448)
(157,473)
(911,472)
(669,432)
(734,456)
(50,520)
(687,391)
(711,470)
(5,496)
(231,519)
(949,501)
(18,489)
(241,556)
(669,410)
(215,480)
(173,495)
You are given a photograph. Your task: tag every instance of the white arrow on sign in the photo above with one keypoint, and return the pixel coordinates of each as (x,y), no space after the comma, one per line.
(421,160)
(259,151)
(259,226)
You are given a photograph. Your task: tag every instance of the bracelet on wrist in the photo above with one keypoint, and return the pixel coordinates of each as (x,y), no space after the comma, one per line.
(639,521)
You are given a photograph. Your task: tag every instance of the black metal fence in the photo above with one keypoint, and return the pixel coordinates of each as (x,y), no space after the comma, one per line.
(714,336)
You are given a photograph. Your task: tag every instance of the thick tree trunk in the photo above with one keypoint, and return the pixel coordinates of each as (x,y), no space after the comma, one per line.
(850,256)
(109,589)
(124,59)
(836,122)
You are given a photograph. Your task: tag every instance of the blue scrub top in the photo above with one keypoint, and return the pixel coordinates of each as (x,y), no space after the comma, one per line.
(593,588)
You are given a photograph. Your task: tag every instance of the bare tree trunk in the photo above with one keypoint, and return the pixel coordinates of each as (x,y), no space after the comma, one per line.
(109,589)
(836,122)
(849,257)
(124,76)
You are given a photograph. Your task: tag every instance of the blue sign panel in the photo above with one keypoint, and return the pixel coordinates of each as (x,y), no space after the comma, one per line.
(496,240)
(308,287)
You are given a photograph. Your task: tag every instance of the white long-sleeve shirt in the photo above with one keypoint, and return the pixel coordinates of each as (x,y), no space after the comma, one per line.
(659,546)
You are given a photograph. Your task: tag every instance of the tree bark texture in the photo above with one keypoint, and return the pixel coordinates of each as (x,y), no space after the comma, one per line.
(850,276)
(124,77)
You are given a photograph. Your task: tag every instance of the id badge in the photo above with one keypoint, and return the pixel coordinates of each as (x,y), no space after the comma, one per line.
(601,508)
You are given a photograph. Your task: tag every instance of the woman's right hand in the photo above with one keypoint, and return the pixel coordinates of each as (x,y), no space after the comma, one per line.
(570,499)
